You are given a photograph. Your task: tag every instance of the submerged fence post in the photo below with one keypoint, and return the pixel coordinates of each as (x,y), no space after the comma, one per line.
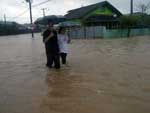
(84,32)
(129,30)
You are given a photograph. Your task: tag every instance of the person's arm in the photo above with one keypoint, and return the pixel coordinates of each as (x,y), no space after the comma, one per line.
(47,39)
(68,39)
(44,35)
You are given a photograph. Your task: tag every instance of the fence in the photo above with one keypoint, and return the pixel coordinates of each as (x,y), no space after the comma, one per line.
(102,32)
(86,32)
(121,33)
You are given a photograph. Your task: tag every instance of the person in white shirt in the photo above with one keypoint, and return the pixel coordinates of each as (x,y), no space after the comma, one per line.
(63,41)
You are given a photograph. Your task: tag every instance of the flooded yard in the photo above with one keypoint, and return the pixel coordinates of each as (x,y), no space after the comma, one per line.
(102,76)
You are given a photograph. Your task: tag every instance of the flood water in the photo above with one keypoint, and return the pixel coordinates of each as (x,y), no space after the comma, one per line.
(102,76)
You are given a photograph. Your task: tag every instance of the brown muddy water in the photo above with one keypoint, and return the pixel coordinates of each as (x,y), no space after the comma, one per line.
(102,76)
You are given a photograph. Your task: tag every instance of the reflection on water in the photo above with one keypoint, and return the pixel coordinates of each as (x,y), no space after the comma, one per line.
(60,84)
(108,76)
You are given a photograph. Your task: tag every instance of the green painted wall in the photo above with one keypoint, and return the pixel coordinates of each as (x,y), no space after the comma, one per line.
(105,11)
(99,11)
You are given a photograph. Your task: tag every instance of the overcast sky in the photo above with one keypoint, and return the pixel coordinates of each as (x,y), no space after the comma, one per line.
(15,10)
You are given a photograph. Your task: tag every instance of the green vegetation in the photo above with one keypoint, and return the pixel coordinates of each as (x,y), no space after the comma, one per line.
(134,21)
(11,28)
(129,21)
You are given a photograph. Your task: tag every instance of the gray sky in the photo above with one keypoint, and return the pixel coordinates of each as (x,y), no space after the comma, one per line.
(14,9)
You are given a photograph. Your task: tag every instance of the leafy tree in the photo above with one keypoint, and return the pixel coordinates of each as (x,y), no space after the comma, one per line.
(129,22)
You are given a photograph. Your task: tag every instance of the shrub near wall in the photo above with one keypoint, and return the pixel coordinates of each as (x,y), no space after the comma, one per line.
(8,29)
(11,30)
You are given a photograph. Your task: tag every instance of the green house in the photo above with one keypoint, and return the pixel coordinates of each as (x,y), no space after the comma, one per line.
(99,14)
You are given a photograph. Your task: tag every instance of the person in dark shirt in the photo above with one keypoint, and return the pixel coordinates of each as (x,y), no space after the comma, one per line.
(51,46)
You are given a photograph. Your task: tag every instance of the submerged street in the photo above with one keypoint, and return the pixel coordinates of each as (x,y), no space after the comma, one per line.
(101,76)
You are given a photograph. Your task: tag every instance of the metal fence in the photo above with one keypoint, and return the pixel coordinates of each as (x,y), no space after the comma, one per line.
(86,32)
(102,32)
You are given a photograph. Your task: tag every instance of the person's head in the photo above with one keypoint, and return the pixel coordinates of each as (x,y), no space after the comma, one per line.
(62,30)
(50,24)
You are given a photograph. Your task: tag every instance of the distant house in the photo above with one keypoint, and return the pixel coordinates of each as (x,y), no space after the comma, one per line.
(102,13)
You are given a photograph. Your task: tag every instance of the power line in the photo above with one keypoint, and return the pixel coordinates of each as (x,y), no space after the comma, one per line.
(20,14)
(36,5)
(25,11)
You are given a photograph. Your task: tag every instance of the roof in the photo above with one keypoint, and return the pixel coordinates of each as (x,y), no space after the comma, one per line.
(80,12)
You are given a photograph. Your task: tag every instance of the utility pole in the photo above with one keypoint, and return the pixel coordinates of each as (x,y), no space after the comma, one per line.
(131,4)
(5,28)
(44,11)
(44,15)
(5,19)
(30,7)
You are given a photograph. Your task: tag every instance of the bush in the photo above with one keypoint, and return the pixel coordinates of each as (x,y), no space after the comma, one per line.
(129,21)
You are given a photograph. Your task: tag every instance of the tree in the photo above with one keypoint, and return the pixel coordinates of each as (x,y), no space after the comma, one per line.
(143,7)
(128,22)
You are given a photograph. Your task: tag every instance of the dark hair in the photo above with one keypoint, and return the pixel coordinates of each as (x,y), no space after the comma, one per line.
(60,29)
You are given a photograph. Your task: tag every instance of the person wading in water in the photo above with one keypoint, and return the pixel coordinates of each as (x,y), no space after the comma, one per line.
(51,46)
(63,41)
